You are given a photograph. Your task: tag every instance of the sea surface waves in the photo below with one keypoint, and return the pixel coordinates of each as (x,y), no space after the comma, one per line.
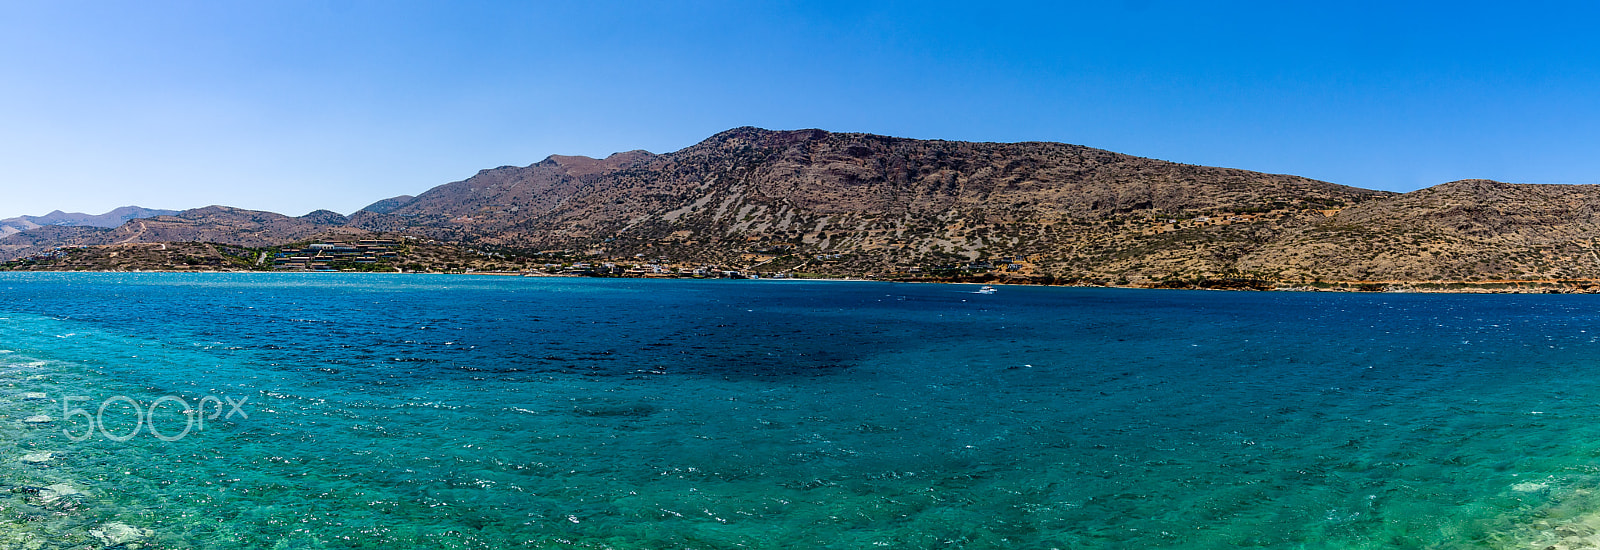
(412,411)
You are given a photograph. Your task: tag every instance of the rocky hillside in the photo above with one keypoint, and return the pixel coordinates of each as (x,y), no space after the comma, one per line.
(811,201)
(212,224)
(865,204)
(43,239)
(1464,230)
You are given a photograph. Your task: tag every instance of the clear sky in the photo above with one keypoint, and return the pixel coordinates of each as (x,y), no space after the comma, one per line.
(292,106)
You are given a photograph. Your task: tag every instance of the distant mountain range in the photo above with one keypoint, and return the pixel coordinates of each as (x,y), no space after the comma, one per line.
(859,204)
(113,218)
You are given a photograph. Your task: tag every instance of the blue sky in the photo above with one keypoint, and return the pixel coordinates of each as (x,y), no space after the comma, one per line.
(292,106)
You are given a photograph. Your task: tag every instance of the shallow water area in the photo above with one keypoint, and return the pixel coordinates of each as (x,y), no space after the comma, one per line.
(382,411)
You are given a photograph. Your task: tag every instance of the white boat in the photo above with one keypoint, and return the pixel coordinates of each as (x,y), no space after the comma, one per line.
(986,290)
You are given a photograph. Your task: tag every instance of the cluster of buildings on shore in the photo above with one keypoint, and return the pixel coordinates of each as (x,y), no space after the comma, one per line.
(54,253)
(325,256)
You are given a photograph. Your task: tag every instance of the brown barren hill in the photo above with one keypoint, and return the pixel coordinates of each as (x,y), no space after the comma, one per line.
(1459,231)
(867,203)
(851,204)
(212,224)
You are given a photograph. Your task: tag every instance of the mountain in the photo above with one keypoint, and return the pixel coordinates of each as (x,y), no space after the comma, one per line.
(110,219)
(812,201)
(869,203)
(222,224)
(212,224)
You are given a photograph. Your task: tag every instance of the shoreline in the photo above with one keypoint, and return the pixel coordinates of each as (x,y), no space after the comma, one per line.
(1493,286)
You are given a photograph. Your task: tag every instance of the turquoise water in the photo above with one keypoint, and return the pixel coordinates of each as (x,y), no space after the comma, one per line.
(410,411)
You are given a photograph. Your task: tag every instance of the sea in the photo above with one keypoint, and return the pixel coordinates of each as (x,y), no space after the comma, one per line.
(254,410)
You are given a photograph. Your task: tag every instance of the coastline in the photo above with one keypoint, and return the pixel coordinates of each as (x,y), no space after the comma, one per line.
(1494,286)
